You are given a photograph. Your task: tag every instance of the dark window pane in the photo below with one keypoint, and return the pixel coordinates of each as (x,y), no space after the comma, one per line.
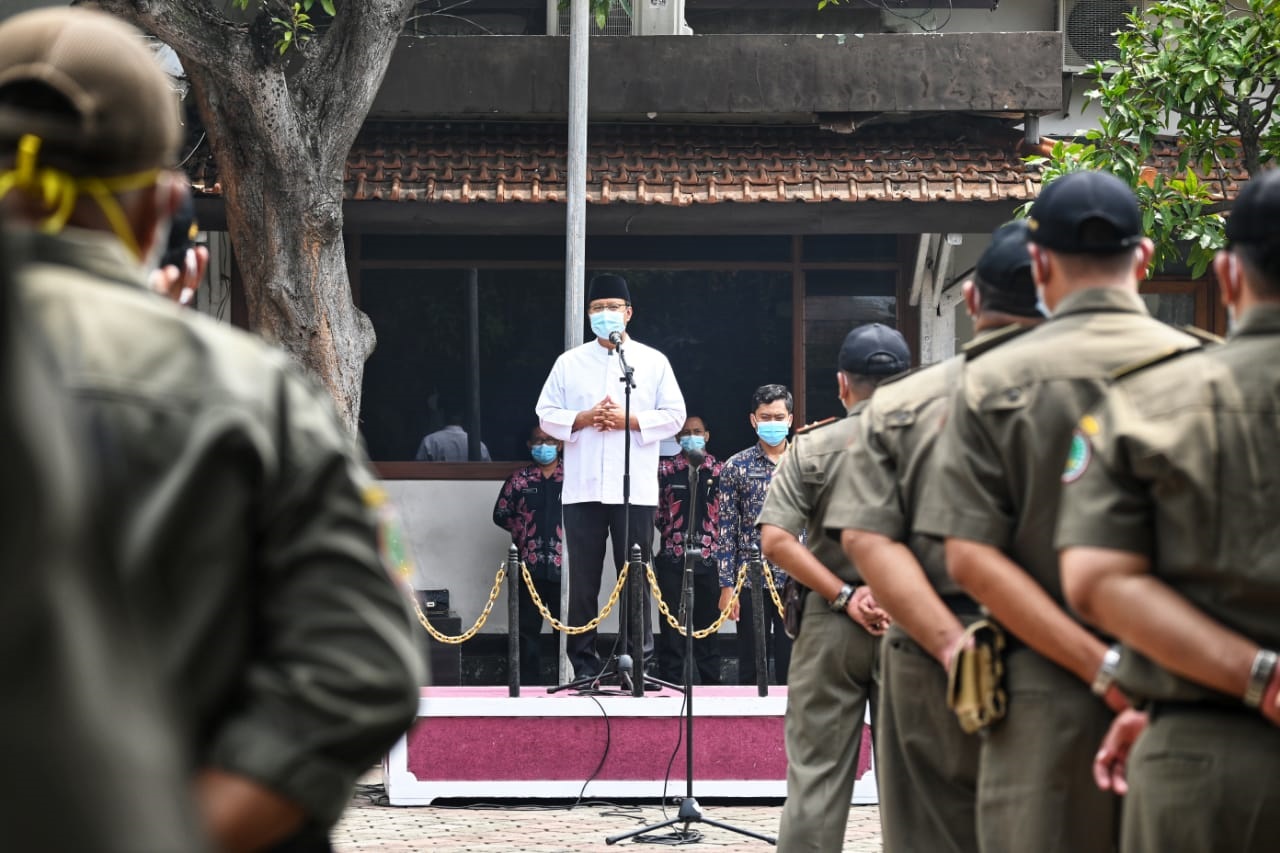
(454,248)
(725,333)
(419,369)
(850,247)
(1176,309)
(835,302)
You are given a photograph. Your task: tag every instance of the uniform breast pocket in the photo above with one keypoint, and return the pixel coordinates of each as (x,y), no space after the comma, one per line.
(812,473)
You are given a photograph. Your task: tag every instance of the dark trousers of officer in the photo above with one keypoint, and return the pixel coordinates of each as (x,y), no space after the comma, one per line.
(531,628)
(1203,779)
(1035,774)
(777,644)
(830,685)
(926,766)
(587,527)
(669,645)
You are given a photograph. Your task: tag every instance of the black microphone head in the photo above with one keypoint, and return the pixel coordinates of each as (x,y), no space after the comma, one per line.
(615,338)
(695,457)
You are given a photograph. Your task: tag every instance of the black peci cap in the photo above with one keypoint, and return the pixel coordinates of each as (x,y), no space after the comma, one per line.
(874,350)
(608,286)
(1065,206)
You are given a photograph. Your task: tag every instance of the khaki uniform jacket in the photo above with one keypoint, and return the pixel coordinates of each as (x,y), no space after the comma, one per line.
(1178,463)
(1000,456)
(886,465)
(239,515)
(82,711)
(800,492)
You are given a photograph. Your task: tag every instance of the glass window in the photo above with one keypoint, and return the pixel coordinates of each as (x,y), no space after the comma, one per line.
(835,302)
(418,374)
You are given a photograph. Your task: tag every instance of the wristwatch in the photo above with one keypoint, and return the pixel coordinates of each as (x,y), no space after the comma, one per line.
(1106,672)
(1264,666)
(841,601)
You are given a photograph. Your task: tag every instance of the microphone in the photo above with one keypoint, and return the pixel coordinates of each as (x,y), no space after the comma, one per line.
(615,338)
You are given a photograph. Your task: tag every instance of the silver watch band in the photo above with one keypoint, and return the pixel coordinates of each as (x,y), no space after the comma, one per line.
(1106,675)
(1264,666)
(841,600)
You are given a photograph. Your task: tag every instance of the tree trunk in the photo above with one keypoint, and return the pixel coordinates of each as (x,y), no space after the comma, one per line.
(284,215)
(281,128)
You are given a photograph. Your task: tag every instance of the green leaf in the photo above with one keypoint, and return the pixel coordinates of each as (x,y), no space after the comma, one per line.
(328,6)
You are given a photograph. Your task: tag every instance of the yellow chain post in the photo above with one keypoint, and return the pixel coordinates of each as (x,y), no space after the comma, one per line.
(474,629)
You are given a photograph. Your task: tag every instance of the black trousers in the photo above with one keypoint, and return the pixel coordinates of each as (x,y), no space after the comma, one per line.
(777,644)
(587,526)
(669,646)
(531,629)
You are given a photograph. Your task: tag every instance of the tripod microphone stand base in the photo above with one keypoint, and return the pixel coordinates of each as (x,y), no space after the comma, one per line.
(690,813)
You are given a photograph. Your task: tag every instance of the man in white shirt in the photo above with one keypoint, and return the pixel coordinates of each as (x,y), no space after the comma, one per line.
(582,404)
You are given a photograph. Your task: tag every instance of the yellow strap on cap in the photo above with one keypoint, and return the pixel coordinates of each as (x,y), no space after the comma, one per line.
(58,191)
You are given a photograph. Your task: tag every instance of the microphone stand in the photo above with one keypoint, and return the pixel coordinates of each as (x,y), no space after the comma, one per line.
(690,811)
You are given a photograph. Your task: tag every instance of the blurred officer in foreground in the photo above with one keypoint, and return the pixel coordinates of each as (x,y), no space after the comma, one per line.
(995,499)
(81,724)
(834,657)
(1170,543)
(242,518)
(927,766)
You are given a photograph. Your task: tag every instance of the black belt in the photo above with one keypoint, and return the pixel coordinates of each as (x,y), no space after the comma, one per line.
(1161,709)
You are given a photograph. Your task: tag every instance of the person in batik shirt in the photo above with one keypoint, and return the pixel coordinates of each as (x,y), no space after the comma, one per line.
(672,521)
(528,508)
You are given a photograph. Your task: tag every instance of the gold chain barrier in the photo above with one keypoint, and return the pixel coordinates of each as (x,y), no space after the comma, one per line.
(773,592)
(470,632)
(570,629)
(714,626)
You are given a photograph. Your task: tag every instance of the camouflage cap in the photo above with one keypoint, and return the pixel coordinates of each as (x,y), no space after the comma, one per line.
(87,86)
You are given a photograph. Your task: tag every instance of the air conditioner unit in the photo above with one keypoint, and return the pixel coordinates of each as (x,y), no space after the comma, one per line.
(1088,30)
(647,18)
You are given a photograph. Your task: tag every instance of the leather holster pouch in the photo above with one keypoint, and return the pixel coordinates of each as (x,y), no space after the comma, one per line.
(975,679)
(792,606)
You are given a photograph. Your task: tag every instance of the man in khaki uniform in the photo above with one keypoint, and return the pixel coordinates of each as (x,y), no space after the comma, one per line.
(927,766)
(833,661)
(81,724)
(240,514)
(1170,543)
(995,499)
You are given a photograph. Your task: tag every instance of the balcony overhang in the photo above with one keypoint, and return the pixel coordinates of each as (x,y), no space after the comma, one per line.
(748,77)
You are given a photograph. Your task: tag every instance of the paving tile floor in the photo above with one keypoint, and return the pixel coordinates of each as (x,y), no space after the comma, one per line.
(369,825)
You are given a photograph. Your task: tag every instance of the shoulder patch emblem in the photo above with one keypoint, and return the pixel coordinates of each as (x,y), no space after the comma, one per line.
(1079,455)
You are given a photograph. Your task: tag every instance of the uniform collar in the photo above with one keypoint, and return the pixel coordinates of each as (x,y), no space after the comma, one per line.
(1095,299)
(94,252)
(1261,319)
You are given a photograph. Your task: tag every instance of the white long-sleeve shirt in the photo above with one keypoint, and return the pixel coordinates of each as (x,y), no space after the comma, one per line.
(593,460)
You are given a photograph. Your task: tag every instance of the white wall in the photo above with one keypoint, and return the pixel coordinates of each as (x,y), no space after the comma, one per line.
(457,546)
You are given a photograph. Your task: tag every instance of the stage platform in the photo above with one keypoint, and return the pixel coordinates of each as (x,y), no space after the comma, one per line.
(475,742)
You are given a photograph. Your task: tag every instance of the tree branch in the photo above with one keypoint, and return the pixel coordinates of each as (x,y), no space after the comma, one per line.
(339,81)
(196,32)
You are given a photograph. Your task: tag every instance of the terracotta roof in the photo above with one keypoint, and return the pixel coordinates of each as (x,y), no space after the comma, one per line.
(938,159)
(684,165)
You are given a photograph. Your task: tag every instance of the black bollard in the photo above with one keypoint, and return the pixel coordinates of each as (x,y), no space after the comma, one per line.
(635,619)
(513,621)
(755,572)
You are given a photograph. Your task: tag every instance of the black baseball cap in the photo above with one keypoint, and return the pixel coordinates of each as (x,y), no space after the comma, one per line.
(1003,274)
(874,350)
(1255,217)
(1064,207)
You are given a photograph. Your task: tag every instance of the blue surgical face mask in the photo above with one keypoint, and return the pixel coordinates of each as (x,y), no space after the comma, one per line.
(772,433)
(692,442)
(606,322)
(543,454)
